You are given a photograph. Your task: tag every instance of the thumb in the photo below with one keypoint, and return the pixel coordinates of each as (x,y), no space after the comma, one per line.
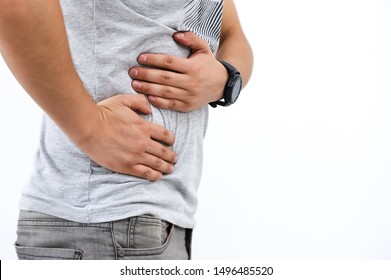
(191,40)
(136,102)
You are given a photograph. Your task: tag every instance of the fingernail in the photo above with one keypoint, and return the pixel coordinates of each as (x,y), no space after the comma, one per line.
(179,34)
(133,72)
(136,84)
(142,58)
(152,98)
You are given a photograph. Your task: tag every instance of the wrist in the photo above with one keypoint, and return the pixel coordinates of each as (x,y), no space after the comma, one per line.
(232,87)
(222,81)
(83,129)
(79,118)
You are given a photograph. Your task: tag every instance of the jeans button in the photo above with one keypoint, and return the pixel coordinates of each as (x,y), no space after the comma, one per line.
(121,252)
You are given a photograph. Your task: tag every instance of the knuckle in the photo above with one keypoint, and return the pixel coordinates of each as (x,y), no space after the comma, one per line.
(195,68)
(154,176)
(191,94)
(163,151)
(172,104)
(167,139)
(138,122)
(193,84)
(158,163)
(165,77)
(128,164)
(141,145)
(147,174)
(146,127)
(166,92)
(168,60)
(166,134)
(138,97)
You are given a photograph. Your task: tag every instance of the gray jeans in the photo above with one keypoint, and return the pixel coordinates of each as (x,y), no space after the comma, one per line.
(40,236)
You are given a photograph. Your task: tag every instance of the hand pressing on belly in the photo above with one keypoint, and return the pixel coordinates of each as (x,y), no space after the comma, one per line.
(182,84)
(124,142)
(34,44)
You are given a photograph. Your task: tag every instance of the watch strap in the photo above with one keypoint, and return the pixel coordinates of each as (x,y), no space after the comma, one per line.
(232,73)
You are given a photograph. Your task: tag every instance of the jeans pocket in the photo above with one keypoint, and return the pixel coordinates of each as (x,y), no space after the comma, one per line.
(140,252)
(148,236)
(40,253)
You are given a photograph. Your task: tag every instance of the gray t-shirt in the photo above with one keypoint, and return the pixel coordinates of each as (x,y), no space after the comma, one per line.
(105,38)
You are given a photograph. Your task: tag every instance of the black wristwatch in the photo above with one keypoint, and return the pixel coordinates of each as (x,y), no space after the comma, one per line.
(232,87)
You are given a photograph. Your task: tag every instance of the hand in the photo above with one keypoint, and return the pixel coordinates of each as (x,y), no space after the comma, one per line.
(124,142)
(183,84)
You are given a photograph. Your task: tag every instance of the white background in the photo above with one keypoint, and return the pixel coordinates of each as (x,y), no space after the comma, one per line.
(300,167)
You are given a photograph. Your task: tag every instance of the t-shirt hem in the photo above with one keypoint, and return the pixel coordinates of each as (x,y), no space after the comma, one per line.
(82,215)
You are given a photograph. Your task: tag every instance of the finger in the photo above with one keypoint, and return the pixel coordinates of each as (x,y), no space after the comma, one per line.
(136,102)
(163,91)
(161,134)
(157,164)
(159,76)
(164,61)
(146,172)
(193,41)
(169,104)
(162,152)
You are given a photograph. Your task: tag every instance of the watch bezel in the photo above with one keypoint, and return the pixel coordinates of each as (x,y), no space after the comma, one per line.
(233,78)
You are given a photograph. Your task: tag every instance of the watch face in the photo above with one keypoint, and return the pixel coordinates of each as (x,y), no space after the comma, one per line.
(236,89)
(233,87)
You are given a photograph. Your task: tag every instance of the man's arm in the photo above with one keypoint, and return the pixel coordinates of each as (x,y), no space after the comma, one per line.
(186,84)
(234,47)
(34,44)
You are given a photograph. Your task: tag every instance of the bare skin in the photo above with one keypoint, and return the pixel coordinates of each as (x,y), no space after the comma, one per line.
(186,84)
(34,44)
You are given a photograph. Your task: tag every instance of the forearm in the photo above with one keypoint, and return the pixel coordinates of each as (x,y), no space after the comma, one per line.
(34,44)
(234,47)
(237,51)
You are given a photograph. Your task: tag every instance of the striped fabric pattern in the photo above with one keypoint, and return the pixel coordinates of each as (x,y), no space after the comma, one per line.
(203,17)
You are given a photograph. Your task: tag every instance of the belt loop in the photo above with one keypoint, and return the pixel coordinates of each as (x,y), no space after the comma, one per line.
(130,232)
